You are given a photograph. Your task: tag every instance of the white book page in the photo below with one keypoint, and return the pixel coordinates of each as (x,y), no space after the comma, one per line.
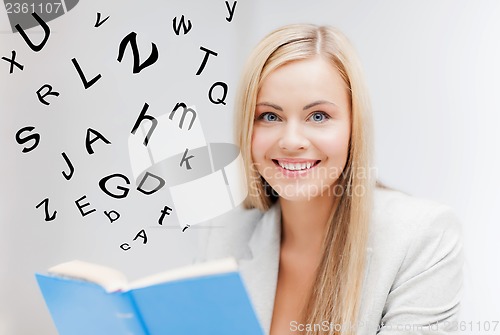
(113,280)
(225,265)
(110,279)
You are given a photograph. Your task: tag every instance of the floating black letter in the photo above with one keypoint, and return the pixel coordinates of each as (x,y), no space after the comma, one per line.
(142,234)
(41,97)
(132,39)
(111,219)
(146,176)
(86,83)
(165,211)
(80,206)
(46,31)
(224,93)
(177,27)
(47,216)
(98,23)
(208,52)
(125,246)
(141,118)
(102,185)
(71,168)
(231,11)
(35,137)
(88,141)
(184,112)
(13,62)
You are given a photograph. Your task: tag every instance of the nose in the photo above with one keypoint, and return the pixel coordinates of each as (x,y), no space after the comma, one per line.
(293,137)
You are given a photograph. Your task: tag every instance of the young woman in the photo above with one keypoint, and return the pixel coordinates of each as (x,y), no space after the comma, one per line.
(323,250)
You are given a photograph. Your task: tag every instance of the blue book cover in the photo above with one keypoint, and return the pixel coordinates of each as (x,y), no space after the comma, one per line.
(206,301)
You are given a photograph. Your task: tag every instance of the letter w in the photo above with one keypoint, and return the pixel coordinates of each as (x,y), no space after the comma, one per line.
(177,27)
(132,39)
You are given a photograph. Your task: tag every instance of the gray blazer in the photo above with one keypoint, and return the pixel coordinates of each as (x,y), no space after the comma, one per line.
(413,272)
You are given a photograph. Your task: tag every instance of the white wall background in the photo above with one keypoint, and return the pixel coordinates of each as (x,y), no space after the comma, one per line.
(432,68)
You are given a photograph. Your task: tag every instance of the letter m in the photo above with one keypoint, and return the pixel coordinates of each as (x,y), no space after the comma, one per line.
(184,112)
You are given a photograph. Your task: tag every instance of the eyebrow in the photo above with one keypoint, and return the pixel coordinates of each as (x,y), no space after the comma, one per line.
(268,104)
(319,102)
(312,104)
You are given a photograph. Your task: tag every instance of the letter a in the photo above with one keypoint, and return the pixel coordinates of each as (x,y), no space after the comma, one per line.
(143,235)
(98,136)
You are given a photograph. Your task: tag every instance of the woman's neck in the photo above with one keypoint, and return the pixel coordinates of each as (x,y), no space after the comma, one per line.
(304,223)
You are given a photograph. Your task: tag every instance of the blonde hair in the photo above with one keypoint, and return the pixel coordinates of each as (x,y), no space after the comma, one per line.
(336,293)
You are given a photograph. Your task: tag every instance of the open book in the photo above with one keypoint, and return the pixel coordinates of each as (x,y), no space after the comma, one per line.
(206,298)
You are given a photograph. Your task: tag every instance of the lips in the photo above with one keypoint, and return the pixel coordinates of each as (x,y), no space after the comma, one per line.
(296,165)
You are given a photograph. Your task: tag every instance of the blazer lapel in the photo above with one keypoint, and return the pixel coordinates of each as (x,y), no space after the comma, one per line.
(260,272)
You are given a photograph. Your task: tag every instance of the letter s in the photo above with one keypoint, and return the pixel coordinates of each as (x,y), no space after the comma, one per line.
(21,140)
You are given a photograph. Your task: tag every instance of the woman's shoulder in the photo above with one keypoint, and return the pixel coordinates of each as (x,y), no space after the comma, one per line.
(409,227)
(397,210)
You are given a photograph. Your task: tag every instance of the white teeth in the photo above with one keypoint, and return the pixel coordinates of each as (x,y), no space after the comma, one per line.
(296,166)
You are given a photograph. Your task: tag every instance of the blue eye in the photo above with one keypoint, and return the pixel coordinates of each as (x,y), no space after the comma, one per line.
(319,117)
(268,117)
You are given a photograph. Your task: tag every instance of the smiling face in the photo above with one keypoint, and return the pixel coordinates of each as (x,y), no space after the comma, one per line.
(301,131)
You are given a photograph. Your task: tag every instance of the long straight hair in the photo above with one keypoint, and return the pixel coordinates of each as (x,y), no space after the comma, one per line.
(336,293)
